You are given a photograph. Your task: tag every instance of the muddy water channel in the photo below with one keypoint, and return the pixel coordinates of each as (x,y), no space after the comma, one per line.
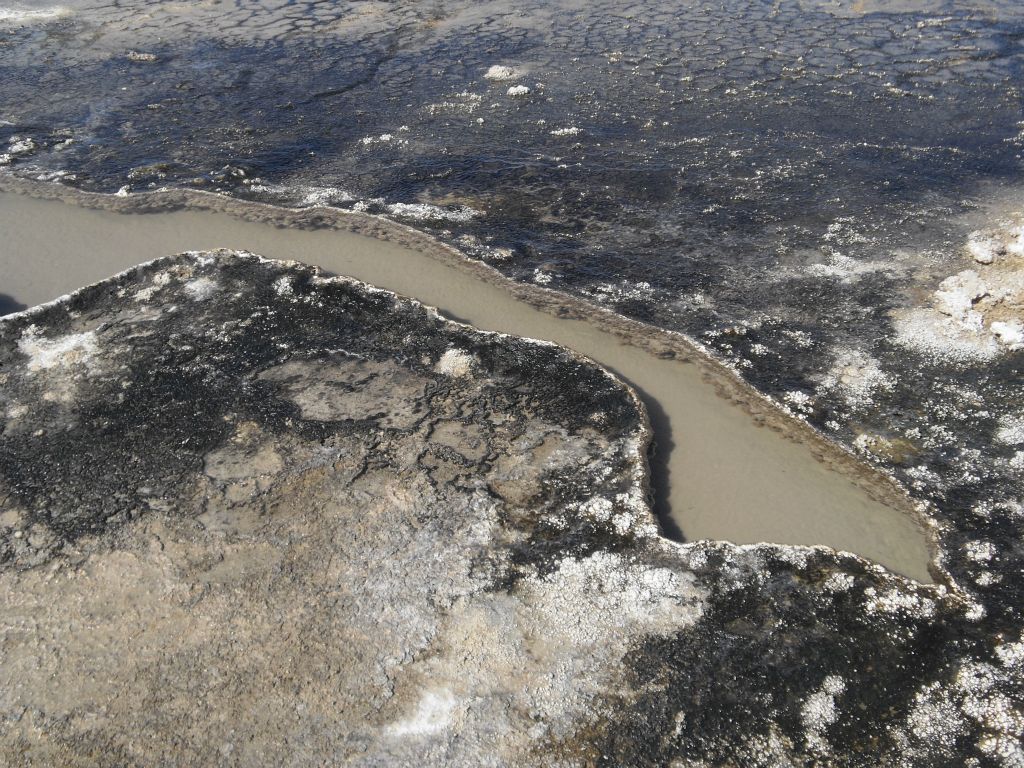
(718,473)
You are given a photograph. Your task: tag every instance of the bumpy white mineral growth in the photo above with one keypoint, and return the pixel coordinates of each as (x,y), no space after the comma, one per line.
(518,90)
(1011,430)
(975,316)
(455,362)
(857,376)
(499,72)
(982,248)
(425,211)
(60,352)
(819,712)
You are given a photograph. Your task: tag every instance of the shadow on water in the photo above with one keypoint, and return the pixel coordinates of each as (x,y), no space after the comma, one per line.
(9,305)
(658,461)
(661,450)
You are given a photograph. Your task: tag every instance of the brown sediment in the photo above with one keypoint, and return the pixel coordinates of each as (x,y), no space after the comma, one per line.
(835,499)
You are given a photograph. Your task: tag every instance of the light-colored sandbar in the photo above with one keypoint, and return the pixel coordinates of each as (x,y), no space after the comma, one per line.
(721,475)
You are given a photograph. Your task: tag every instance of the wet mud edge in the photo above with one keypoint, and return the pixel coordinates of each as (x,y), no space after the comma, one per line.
(659,342)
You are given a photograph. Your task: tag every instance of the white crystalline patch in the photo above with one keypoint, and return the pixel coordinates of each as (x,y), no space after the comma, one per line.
(857,376)
(570,131)
(1010,333)
(424,211)
(518,90)
(895,602)
(500,72)
(19,146)
(18,15)
(954,328)
(980,551)
(623,291)
(160,280)
(467,104)
(1007,750)
(982,248)
(1015,241)
(799,401)
(455,362)
(957,294)
(433,714)
(943,337)
(312,196)
(62,352)
(598,508)
(384,138)
(819,711)
(141,57)
(838,582)
(542,277)
(1011,430)
(200,288)
(283,286)
(846,269)
(1011,655)
(934,719)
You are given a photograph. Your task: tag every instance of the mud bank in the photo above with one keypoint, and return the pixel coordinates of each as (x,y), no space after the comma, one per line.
(729,464)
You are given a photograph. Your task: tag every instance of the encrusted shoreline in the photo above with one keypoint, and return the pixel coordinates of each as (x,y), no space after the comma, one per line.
(881,485)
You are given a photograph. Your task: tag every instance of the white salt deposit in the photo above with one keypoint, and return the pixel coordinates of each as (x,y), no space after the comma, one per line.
(957,295)
(857,376)
(61,352)
(384,138)
(943,337)
(982,248)
(1010,333)
(455,362)
(200,288)
(424,211)
(1011,430)
(518,90)
(432,715)
(500,72)
(846,269)
(20,15)
(819,711)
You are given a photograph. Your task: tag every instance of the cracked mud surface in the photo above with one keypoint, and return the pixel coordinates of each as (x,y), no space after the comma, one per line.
(254,516)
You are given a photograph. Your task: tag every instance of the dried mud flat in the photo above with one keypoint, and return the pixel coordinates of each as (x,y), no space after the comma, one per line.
(252,515)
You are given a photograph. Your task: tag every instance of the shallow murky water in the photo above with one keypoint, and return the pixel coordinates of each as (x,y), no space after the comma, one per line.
(723,476)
